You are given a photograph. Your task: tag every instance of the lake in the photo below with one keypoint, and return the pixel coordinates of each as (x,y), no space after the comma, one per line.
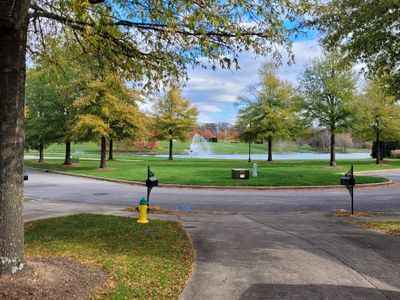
(289,156)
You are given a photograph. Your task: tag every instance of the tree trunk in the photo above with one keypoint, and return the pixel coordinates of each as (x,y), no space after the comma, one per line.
(103,153)
(170,150)
(110,151)
(41,156)
(378,149)
(249,151)
(269,148)
(13,31)
(332,161)
(67,161)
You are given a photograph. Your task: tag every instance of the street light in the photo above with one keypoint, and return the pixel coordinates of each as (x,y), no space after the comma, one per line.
(249,126)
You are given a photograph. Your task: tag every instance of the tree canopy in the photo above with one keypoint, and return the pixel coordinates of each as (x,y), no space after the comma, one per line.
(53,84)
(378,115)
(158,38)
(367,31)
(267,109)
(106,109)
(174,117)
(327,89)
(45,112)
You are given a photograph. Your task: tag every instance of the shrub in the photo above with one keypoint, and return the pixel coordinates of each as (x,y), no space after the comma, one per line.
(395,153)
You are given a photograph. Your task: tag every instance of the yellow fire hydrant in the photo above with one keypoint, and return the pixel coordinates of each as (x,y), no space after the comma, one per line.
(143,211)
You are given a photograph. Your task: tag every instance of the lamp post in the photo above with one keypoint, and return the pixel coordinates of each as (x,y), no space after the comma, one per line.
(249,125)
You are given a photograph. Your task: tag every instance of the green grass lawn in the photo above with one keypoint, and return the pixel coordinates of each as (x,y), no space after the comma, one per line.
(218,172)
(141,263)
(391,227)
(224,147)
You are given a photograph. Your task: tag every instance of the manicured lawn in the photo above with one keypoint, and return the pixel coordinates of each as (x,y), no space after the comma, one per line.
(218,172)
(151,261)
(392,227)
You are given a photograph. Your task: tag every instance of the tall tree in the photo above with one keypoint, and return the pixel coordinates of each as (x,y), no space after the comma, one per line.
(366,31)
(378,115)
(269,106)
(13,34)
(41,118)
(51,88)
(328,90)
(108,109)
(68,79)
(174,117)
(158,39)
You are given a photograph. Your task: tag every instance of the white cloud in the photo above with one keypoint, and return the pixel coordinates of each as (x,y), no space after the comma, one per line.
(215,92)
(305,52)
(209,108)
(205,118)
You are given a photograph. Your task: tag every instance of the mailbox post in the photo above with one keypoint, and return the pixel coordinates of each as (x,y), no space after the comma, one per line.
(151,182)
(349,181)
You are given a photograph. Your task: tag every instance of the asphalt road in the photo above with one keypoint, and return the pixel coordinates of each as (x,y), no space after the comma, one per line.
(70,189)
(277,244)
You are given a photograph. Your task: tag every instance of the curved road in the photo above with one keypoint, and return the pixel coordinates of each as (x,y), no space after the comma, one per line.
(49,186)
(281,244)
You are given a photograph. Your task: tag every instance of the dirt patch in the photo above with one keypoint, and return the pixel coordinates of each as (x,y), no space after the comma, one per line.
(51,278)
(345,213)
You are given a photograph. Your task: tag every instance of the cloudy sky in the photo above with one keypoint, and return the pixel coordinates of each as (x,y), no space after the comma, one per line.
(215,92)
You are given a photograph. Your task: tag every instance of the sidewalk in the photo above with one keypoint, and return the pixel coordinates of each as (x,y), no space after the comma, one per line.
(43,209)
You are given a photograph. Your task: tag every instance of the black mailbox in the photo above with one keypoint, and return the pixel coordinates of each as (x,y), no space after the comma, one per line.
(26,176)
(347,181)
(152,182)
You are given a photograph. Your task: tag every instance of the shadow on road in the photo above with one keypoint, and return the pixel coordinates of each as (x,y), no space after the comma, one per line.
(314,291)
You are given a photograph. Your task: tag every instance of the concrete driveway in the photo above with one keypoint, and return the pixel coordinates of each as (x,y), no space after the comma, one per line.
(272,244)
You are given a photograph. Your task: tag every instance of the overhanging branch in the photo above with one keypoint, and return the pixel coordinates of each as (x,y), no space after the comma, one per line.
(40,12)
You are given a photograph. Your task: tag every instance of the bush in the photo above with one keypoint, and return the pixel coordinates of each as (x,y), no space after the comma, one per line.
(386,148)
(395,153)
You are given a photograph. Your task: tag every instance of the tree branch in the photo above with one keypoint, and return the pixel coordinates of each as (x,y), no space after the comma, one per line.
(40,12)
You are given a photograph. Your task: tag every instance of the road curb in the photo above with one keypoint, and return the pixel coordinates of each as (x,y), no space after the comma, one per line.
(215,187)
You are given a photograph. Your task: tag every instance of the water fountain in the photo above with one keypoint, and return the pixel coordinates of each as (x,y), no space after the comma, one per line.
(199,146)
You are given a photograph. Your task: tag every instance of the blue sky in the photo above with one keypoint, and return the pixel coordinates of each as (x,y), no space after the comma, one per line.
(215,92)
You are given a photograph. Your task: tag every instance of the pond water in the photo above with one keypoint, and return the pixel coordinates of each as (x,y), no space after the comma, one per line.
(289,156)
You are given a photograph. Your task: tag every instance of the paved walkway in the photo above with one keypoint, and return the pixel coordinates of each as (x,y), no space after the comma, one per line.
(265,249)
(291,256)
